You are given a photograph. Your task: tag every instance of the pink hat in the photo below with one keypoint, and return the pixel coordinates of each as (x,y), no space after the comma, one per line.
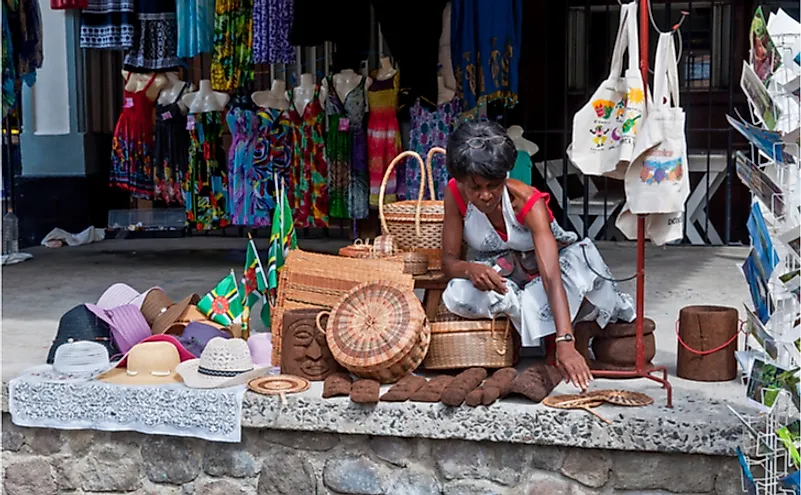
(261,348)
(121,294)
(182,352)
(127,324)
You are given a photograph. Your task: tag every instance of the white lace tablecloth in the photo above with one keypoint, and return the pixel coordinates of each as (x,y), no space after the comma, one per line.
(36,400)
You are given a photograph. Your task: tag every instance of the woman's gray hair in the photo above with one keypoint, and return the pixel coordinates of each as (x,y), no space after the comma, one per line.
(480,148)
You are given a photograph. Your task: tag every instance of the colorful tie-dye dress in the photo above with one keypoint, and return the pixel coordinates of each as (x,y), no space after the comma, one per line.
(232,60)
(383,136)
(206,178)
(309,176)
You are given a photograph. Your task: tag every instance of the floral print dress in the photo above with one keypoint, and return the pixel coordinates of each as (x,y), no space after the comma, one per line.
(206,179)
(171,152)
(346,145)
(429,129)
(272,161)
(309,174)
(131,147)
(232,61)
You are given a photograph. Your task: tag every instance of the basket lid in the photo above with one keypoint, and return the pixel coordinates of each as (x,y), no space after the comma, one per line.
(374,323)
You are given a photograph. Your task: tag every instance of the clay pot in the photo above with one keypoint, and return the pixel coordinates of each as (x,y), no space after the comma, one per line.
(621,350)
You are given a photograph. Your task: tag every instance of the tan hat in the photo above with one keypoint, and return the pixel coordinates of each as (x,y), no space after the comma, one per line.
(190,314)
(148,363)
(161,312)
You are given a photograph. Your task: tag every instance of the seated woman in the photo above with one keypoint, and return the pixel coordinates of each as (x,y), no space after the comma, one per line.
(520,262)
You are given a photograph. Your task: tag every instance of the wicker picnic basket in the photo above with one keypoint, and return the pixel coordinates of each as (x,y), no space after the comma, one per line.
(415,225)
(310,280)
(378,331)
(413,263)
(458,343)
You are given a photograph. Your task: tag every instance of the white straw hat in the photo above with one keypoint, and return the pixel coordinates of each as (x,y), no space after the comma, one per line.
(73,361)
(223,363)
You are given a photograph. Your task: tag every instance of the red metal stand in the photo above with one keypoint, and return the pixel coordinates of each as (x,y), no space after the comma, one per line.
(640,369)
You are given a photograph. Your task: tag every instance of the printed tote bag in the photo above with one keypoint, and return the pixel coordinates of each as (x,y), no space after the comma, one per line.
(605,128)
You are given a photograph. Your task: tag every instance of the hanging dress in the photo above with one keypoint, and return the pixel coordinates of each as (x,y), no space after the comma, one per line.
(206,180)
(195,27)
(486,37)
(272,160)
(429,129)
(309,176)
(108,24)
(245,185)
(272,20)
(131,147)
(383,136)
(170,152)
(526,301)
(155,45)
(346,146)
(232,61)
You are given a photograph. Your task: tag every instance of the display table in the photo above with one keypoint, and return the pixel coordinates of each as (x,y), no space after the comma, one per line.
(434,284)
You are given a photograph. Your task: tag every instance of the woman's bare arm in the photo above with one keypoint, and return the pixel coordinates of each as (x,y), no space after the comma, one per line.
(453,266)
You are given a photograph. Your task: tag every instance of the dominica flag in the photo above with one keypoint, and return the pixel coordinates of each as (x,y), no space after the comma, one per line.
(224,303)
(254,281)
(282,238)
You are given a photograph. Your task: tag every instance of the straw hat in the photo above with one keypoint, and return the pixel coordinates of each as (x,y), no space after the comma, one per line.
(191,314)
(126,323)
(197,335)
(151,362)
(223,363)
(121,294)
(161,312)
(79,324)
(80,361)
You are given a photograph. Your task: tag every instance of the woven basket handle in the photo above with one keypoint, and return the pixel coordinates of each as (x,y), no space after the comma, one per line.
(320,317)
(501,351)
(383,190)
(429,160)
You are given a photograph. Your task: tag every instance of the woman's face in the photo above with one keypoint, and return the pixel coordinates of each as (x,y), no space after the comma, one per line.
(485,194)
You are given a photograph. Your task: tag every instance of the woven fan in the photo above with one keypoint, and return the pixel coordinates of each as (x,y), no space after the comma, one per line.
(279,385)
(622,397)
(584,402)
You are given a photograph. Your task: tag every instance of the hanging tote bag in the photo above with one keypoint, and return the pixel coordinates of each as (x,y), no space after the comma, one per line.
(604,129)
(657,181)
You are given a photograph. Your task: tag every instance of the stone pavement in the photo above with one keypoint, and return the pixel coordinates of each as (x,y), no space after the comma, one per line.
(37,292)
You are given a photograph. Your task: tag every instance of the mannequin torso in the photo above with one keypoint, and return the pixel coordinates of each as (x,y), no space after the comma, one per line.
(444,94)
(445,62)
(346,81)
(138,82)
(173,89)
(205,100)
(516,133)
(303,93)
(274,98)
(386,70)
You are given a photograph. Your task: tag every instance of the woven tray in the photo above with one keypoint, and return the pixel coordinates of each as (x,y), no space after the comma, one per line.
(310,280)
(416,225)
(379,331)
(458,343)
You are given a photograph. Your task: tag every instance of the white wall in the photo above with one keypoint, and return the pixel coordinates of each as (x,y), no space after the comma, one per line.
(50,94)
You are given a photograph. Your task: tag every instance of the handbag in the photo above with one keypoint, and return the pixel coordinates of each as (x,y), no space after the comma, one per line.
(68,4)
(605,128)
(657,182)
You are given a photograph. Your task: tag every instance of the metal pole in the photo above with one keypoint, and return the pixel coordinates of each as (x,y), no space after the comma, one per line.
(645,27)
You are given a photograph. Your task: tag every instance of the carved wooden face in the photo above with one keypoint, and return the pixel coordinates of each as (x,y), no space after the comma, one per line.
(305,353)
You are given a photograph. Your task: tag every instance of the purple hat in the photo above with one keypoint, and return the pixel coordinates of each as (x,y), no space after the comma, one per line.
(121,294)
(127,324)
(197,334)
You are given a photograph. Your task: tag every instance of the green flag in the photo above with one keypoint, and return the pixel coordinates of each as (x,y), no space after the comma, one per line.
(224,303)
(282,238)
(254,281)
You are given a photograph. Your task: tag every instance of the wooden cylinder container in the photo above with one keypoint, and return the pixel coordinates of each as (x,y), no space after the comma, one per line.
(707,339)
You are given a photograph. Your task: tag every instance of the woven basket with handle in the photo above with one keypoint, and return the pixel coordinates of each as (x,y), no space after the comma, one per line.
(458,343)
(310,280)
(378,331)
(359,249)
(415,225)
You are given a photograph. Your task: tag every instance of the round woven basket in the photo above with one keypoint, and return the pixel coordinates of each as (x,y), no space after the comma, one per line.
(379,331)
(458,343)
(415,225)
(413,263)
(359,249)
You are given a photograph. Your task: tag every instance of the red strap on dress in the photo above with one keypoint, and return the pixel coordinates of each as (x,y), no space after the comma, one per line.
(457,196)
(535,196)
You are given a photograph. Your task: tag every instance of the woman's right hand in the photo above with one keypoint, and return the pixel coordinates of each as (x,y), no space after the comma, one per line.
(484,278)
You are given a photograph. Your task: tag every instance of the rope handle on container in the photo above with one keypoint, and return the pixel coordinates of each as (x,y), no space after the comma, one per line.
(502,350)
(710,351)
(318,318)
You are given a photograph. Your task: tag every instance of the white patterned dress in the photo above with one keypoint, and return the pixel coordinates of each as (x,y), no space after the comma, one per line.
(527,306)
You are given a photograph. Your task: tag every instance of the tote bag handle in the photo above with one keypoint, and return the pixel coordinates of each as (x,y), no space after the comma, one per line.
(666,75)
(627,39)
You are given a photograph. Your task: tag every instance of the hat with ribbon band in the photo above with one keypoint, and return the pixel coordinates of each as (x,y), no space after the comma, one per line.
(81,324)
(150,362)
(223,363)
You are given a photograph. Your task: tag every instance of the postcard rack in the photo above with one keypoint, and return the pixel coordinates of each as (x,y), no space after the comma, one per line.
(772,346)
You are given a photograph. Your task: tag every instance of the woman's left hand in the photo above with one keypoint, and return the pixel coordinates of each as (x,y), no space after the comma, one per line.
(573,365)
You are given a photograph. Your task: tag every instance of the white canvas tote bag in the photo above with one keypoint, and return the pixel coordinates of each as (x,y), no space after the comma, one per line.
(657,181)
(604,129)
